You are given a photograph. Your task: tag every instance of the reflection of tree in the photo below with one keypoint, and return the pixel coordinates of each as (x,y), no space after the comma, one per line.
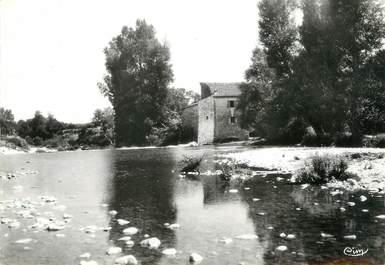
(142,193)
(320,212)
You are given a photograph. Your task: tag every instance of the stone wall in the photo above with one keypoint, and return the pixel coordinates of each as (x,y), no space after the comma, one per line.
(224,129)
(190,121)
(206,113)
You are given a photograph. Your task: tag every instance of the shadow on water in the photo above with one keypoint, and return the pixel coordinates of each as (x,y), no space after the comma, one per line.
(142,191)
(306,213)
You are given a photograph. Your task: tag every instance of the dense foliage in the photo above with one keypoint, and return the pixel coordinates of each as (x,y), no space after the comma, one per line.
(7,122)
(322,81)
(137,80)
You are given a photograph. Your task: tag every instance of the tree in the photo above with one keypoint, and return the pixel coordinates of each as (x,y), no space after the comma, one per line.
(7,122)
(136,83)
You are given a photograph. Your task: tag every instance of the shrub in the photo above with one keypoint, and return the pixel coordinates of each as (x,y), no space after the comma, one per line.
(323,169)
(17,141)
(317,140)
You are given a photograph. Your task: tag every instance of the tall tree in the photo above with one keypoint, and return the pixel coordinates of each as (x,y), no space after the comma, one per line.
(7,122)
(137,80)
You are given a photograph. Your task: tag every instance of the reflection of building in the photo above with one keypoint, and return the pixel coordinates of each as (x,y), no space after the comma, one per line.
(215,115)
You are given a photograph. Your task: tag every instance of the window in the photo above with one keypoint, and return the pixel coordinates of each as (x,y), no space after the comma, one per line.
(232,120)
(231,103)
(207,117)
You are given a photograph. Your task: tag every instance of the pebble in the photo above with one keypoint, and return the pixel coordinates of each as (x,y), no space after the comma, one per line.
(283,235)
(55,227)
(60,235)
(112,212)
(261,213)
(125,238)
(342,209)
(86,255)
(114,250)
(151,243)
(290,236)
(169,252)
(174,226)
(363,198)
(382,216)
(324,235)
(129,259)
(365,210)
(130,231)
(351,203)
(195,258)
(353,237)
(130,243)
(233,191)
(256,199)
(122,222)
(281,248)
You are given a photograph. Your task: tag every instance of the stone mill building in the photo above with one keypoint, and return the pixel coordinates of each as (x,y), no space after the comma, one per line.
(214,117)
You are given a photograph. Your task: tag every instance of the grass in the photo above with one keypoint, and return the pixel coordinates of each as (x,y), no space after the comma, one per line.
(323,169)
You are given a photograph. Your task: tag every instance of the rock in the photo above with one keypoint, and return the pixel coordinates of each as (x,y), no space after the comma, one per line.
(342,209)
(55,227)
(298,209)
(125,238)
(130,243)
(151,243)
(174,226)
(283,235)
(24,241)
(112,212)
(146,235)
(365,210)
(225,240)
(351,204)
(130,231)
(281,248)
(270,227)
(261,213)
(352,237)
(382,216)
(122,222)
(129,259)
(233,191)
(88,262)
(363,198)
(113,250)
(304,186)
(247,237)
(256,199)
(166,224)
(86,255)
(324,235)
(169,252)
(195,258)
(290,236)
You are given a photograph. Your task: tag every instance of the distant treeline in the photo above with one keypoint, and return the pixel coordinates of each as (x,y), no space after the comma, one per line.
(318,80)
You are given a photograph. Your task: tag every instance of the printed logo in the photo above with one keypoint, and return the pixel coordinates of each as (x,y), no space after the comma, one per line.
(354,252)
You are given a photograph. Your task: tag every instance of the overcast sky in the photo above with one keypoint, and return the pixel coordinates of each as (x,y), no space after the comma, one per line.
(51,53)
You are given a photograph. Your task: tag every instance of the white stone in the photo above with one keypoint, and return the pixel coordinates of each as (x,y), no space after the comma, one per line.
(382,216)
(324,235)
(290,236)
(60,235)
(351,203)
(130,231)
(169,252)
(283,235)
(112,212)
(86,255)
(55,227)
(129,259)
(281,248)
(195,258)
(114,250)
(353,237)
(363,198)
(122,222)
(130,243)
(174,226)
(151,243)
(125,238)
(342,209)
(365,210)
(233,191)
(256,199)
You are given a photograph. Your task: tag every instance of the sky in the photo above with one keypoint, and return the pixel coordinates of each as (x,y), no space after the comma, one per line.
(51,51)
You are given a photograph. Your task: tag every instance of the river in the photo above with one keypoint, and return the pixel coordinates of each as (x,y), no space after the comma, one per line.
(144,187)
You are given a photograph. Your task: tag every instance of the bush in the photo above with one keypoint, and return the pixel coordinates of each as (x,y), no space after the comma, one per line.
(317,140)
(323,169)
(375,141)
(17,141)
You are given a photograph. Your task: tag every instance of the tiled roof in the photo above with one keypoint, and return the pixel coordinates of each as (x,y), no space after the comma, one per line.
(224,89)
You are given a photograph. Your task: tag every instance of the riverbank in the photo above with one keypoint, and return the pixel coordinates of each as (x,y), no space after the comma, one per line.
(367,163)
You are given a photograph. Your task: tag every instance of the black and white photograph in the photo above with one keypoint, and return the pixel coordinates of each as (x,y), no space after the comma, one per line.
(185,132)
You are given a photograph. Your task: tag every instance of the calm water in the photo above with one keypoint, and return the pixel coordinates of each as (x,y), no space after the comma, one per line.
(142,186)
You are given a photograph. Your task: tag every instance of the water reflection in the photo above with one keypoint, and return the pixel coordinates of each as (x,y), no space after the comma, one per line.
(306,213)
(142,191)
